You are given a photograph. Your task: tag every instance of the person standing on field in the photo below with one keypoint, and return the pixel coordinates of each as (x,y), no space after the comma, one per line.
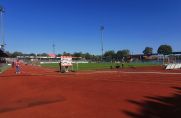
(12,64)
(17,64)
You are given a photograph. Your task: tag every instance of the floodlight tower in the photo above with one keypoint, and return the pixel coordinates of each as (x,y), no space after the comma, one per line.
(53,46)
(102,48)
(1,28)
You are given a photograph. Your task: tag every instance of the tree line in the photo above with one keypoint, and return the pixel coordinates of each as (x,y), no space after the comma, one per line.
(109,55)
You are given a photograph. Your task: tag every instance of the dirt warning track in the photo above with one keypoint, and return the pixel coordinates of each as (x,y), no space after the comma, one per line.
(45,93)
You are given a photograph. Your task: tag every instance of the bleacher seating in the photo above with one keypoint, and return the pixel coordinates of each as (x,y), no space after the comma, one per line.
(173,66)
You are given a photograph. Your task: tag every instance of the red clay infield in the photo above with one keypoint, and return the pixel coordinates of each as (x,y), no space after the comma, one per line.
(128,93)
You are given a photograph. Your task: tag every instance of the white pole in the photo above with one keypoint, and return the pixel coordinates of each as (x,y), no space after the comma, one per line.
(1,28)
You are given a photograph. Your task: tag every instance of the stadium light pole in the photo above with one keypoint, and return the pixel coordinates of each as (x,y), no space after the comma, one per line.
(102,48)
(1,27)
(53,48)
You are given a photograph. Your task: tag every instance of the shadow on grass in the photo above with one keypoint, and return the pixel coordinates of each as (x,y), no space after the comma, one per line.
(158,107)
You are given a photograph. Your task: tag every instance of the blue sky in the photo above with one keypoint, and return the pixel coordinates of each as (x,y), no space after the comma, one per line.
(73,25)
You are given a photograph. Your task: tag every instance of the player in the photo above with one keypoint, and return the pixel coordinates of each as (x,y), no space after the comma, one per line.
(17,64)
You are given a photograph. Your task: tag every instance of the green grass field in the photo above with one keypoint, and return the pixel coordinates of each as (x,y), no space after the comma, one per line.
(98,66)
(3,67)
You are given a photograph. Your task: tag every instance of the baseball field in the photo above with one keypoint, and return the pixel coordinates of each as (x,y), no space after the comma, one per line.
(141,92)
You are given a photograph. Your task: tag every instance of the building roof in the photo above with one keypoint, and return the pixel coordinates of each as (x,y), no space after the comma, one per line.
(176,53)
(52,55)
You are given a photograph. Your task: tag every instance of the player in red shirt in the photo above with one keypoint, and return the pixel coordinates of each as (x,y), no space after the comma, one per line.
(17,64)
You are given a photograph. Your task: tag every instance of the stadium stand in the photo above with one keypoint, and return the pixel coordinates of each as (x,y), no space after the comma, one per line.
(173,66)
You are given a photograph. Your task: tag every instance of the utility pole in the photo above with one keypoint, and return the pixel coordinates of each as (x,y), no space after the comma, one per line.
(1,29)
(102,48)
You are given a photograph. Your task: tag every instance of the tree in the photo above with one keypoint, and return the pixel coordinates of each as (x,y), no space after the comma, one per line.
(43,54)
(9,53)
(119,54)
(15,54)
(59,55)
(32,54)
(164,49)
(123,54)
(66,54)
(87,56)
(148,51)
(77,54)
(109,55)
